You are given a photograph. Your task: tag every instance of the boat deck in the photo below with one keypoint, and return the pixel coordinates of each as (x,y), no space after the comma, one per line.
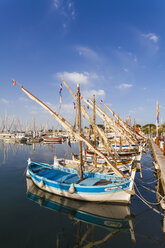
(89,168)
(65,177)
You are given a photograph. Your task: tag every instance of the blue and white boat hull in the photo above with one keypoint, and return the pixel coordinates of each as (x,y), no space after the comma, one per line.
(112,192)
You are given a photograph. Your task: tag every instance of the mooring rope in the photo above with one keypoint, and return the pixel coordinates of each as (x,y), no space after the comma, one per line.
(147,179)
(153,203)
(153,191)
(149,169)
(154,209)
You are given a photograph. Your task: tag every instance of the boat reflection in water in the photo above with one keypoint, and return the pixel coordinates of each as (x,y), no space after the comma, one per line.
(114,218)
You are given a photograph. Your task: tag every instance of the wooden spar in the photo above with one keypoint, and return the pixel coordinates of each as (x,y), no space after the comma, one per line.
(120,143)
(101,134)
(125,127)
(71,129)
(117,124)
(94,121)
(117,117)
(79,125)
(102,116)
(110,122)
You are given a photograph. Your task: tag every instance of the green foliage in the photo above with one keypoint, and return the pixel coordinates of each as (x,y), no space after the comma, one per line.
(151,129)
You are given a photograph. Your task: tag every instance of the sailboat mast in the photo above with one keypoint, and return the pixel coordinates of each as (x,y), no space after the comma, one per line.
(101,134)
(79,124)
(71,129)
(94,121)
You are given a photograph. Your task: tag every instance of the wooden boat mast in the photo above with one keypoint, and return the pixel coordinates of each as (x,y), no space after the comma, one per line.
(110,122)
(71,129)
(94,121)
(101,134)
(133,135)
(116,124)
(79,124)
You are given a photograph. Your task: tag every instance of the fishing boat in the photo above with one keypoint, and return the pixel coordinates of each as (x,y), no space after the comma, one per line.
(100,161)
(109,216)
(87,166)
(97,187)
(122,154)
(86,186)
(48,140)
(123,165)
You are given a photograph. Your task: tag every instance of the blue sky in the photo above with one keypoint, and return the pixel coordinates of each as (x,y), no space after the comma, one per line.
(114,49)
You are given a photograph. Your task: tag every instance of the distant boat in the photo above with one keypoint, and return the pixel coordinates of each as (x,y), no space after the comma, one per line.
(53,139)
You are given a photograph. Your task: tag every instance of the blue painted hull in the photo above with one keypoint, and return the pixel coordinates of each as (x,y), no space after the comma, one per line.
(108,216)
(61,182)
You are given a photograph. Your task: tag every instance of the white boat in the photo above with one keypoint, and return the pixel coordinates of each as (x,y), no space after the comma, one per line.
(97,187)
(89,186)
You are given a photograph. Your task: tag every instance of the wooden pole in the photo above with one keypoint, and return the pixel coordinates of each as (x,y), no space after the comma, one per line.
(94,121)
(120,143)
(80,142)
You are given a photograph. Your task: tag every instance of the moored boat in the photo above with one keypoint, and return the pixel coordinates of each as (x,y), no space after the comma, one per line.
(53,139)
(109,216)
(89,186)
(96,187)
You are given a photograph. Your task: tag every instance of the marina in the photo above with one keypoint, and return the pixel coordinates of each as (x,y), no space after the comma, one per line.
(101,177)
(82,128)
(26,210)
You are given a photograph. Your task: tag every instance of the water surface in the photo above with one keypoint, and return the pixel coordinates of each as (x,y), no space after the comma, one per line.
(36,219)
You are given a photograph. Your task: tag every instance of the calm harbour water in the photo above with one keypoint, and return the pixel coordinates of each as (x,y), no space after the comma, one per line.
(35,219)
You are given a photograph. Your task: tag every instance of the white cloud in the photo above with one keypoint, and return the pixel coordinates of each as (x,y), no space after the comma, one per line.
(124,86)
(125,70)
(90,93)
(79,78)
(87,53)
(75,77)
(135,59)
(5,101)
(65,8)
(56,4)
(151,36)
(73,14)
(69,5)
(23,99)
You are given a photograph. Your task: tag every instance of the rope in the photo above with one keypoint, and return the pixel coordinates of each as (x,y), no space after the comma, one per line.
(157,211)
(147,179)
(147,202)
(148,169)
(153,191)
(153,203)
